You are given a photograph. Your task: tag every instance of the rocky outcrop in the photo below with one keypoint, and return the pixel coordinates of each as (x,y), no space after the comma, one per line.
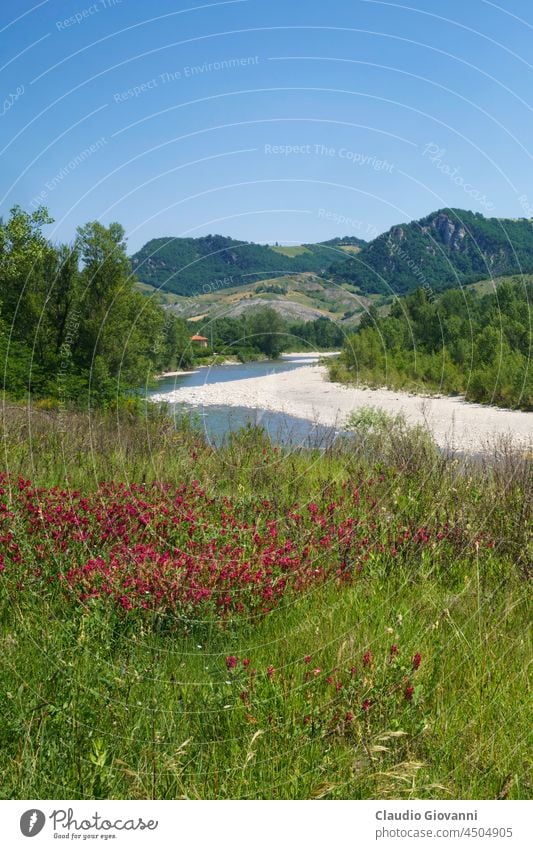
(451,232)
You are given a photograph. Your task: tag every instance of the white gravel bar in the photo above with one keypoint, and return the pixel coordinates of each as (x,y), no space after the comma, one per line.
(306,393)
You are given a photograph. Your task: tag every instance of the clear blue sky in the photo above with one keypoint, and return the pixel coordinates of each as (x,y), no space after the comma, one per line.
(265,119)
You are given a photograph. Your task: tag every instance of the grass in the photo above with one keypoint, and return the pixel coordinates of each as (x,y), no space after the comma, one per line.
(486,287)
(99,702)
(349,249)
(290,250)
(161,295)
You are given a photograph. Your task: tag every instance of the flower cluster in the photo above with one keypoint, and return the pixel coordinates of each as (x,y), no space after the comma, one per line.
(178,550)
(331,700)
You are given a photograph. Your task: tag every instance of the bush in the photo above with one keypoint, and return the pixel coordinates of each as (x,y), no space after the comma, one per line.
(390,438)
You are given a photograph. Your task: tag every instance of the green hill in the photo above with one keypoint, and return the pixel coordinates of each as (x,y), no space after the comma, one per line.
(447,248)
(209,263)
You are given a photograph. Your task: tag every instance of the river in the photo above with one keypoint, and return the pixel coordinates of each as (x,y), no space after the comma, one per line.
(297,404)
(219,420)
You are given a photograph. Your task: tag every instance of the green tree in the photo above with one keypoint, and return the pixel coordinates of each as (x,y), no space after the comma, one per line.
(266,331)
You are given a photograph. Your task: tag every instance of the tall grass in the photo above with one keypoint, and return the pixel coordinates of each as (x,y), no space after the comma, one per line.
(98,703)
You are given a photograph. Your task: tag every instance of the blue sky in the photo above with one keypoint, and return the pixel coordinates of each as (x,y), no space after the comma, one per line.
(267,121)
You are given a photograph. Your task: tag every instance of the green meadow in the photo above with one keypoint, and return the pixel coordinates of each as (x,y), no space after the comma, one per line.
(390,661)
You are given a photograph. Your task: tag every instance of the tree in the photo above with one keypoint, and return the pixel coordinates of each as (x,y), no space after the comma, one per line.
(266,331)
(370,318)
(23,252)
(120,328)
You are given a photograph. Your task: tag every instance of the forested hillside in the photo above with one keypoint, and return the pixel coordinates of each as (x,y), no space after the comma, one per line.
(445,249)
(196,266)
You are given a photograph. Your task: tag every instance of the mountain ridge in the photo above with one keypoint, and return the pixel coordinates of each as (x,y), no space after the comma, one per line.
(446,248)
(191,266)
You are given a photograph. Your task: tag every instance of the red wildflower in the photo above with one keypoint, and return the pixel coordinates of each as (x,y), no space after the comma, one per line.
(366,705)
(348,717)
(307,658)
(270,672)
(231,661)
(408,694)
(393,650)
(246,662)
(368,658)
(417,659)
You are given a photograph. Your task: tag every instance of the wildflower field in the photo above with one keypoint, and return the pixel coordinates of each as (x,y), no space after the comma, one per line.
(185,621)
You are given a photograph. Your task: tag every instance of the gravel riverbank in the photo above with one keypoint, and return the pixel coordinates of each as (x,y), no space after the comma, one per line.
(307,393)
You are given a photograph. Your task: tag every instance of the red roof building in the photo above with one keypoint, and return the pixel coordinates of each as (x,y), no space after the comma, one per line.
(202,341)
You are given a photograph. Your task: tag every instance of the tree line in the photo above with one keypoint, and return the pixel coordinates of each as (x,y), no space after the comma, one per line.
(460,343)
(72,326)
(263,332)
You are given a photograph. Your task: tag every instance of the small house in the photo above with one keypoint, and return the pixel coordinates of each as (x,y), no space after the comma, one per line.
(201,341)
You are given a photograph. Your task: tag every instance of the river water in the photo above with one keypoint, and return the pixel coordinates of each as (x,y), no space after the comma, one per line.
(218,421)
